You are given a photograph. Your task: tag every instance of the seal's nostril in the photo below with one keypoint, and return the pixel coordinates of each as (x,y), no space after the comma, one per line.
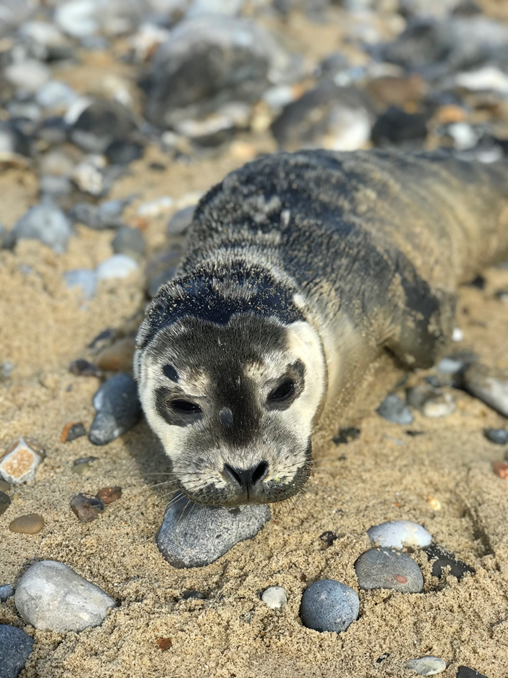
(259,472)
(246,478)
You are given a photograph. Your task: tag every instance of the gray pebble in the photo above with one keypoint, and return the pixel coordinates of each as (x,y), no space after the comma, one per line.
(395,410)
(117,266)
(384,568)
(15,648)
(192,535)
(489,386)
(27,75)
(98,217)
(499,436)
(52,597)
(426,666)
(47,223)
(450,366)
(118,409)
(399,533)
(6,592)
(275,597)
(55,93)
(466,672)
(55,187)
(328,605)
(129,241)
(181,221)
(84,279)
(430,401)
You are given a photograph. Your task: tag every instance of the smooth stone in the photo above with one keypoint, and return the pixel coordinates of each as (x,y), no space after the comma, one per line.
(52,597)
(15,649)
(90,176)
(99,217)
(21,460)
(129,241)
(192,535)
(328,605)
(275,597)
(123,152)
(72,432)
(395,410)
(154,208)
(45,222)
(499,436)
(384,568)
(85,508)
(108,495)
(430,401)
(118,409)
(442,559)
(6,592)
(398,534)
(27,75)
(77,18)
(29,524)
(14,13)
(117,266)
(83,278)
(488,385)
(5,502)
(426,666)
(180,222)
(466,672)
(395,127)
(54,187)
(55,93)
(450,366)
(100,124)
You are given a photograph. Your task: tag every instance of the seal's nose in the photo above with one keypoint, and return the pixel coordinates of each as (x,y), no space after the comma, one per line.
(246,479)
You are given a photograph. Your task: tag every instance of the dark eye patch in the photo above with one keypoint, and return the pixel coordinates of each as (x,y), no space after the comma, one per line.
(170,372)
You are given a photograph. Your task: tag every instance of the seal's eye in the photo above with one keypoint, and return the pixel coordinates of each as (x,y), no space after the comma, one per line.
(184,407)
(283,392)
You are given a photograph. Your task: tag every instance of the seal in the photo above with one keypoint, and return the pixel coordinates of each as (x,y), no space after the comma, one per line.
(300,271)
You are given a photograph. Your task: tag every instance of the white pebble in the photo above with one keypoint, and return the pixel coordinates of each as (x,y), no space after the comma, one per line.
(117,266)
(399,533)
(458,334)
(275,597)
(28,75)
(55,93)
(78,18)
(426,666)
(155,207)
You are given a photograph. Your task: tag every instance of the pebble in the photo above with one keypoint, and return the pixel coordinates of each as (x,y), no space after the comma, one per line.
(54,94)
(90,176)
(395,410)
(426,666)
(52,597)
(499,436)
(77,18)
(465,672)
(488,385)
(118,409)
(14,13)
(83,278)
(500,468)
(86,508)
(6,592)
(275,597)
(83,368)
(29,524)
(442,559)
(191,594)
(328,605)
(395,127)
(129,241)
(29,75)
(180,222)
(21,460)
(5,502)
(118,357)
(385,568)
(450,366)
(109,494)
(4,485)
(398,534)
(15,649)
(100,124)
(346,435)
(154,208)
(45,222)
(71,432)
(193,535)
(122,152)
(117,266)
(82,464)
(430,401)
(54,187)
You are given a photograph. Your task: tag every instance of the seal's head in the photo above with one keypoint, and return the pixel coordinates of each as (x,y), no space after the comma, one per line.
(234,404)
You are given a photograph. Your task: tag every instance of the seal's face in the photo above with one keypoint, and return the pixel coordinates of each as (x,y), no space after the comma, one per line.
(234,405)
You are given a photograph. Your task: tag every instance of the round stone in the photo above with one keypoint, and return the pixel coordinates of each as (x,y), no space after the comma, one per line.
(15,648)
(328,605)
(426,666)
(386,568)
(117,266)
(275,597)
(399,533)
(395,410)
(29,524)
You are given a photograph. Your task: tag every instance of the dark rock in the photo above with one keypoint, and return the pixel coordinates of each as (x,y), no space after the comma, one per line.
(6,592)
(346,435)
(190,594)
(12,140)
(86,508)
(129,241)
(100,124)
(395,127)
(5,502)
(109,494)
(53,130)
(395,410)
(328,605)
(499,436)
(442,559)
(181,221)
(15,648)
(465,672)
(83,368)
(192,535)
(328,537)
(72,431)
(385,568)
(123,152)
(118,409)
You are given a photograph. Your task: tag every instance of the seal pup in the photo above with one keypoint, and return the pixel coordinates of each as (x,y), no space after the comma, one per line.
(300,271)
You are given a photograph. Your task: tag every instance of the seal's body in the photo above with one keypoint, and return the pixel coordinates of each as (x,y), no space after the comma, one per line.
(300,270)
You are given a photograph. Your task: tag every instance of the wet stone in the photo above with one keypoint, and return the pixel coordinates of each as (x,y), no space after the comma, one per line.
(29,524)
(129,241)
(118,409)
(395,410)
(346,435)
(442,560)
(426,666)
(21,460)
(5,502)
(52,597)
(398,534)
(329,605)
(15,648)
(109,494)
(87,508)
(275,597)
(192,535)
(6,592)
(385,568)
(488,385)
(72,432)
(499,436)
